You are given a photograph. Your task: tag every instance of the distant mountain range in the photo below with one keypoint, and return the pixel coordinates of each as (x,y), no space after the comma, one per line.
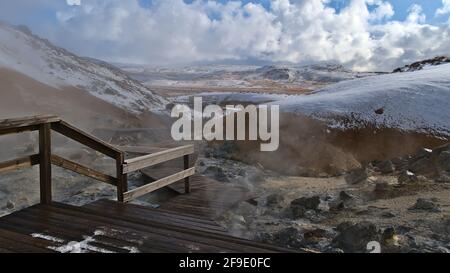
(243,76)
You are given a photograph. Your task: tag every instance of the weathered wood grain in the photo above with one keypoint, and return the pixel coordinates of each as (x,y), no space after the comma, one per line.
(45,164)
(86,139)
(129,196)
(142,162)
(80,169)
(16,125)
(19,163)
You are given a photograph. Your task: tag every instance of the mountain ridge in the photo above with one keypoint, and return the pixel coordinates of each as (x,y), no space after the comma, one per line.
(24,52)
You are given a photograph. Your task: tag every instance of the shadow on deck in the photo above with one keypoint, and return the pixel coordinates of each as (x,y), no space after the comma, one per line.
(185,224)
(113,227)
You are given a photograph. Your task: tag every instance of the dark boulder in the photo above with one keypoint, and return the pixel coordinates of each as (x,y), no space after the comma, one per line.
(426,205)
(443,177)
(357,176)
(289,237)
(300,206)
(217,173)
(382,187)
(344,196)
(354,238)
(385,167)
(444,161)
(275,200)
(407,177)
(423,166)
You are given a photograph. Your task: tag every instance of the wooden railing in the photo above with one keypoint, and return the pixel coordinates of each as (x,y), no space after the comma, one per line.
(45,158)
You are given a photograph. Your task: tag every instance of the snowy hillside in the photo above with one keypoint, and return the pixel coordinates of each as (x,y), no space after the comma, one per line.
(236,76)
(26,53)
(423,64)
(418,101)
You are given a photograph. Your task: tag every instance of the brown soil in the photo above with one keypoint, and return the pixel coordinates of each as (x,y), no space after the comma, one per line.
(308,147)
(23,96)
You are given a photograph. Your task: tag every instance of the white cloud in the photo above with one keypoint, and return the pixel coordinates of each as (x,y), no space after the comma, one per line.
(445,8)
(416,14)
(384,10)
(172,31)
(73,2)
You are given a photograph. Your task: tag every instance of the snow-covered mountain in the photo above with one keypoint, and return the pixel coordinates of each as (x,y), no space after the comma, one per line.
(243,76)
(37,58)
(423,64)
(415,101)
(325,73)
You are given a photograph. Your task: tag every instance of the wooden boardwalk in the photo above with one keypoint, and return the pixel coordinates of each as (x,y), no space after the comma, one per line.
(207,198)
(184,224)
(113,227)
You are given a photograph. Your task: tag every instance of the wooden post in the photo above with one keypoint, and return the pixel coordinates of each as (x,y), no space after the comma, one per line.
(45,163)
(122,179)
(187,186)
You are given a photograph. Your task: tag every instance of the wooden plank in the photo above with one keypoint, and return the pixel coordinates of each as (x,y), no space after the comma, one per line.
(37,220)
(86,139)
(19,163)
(22,247)
(27,239)
(187,187)
(80,169)
(152,235)
(73,223)
(142,162)
(158,211)
(66,228)
(19,130)
(122,178)
(45,164)
(219,242)
(154,215)
(8,126)
(144,150)
(129,196)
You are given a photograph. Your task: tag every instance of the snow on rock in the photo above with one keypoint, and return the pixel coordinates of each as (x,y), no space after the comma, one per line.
(423,64)
(37,58)
(417,101)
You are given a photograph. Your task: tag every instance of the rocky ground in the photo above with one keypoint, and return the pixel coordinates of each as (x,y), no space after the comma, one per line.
(402,204)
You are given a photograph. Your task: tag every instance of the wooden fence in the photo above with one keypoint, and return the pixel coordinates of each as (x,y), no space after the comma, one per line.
(45,159)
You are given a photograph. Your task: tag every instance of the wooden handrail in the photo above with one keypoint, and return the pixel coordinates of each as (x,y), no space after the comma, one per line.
(80,169)
(18,125)
(45,159)
(27,121)
(146,161)
(44,124)
(88,140)
(133,194)
(20,163)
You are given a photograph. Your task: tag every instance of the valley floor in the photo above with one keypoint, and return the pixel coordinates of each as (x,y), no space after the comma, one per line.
(322,212)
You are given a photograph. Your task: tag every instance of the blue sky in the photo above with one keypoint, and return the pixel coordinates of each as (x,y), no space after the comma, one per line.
(400,6)
(46,13)
(366,37)
(429,7)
